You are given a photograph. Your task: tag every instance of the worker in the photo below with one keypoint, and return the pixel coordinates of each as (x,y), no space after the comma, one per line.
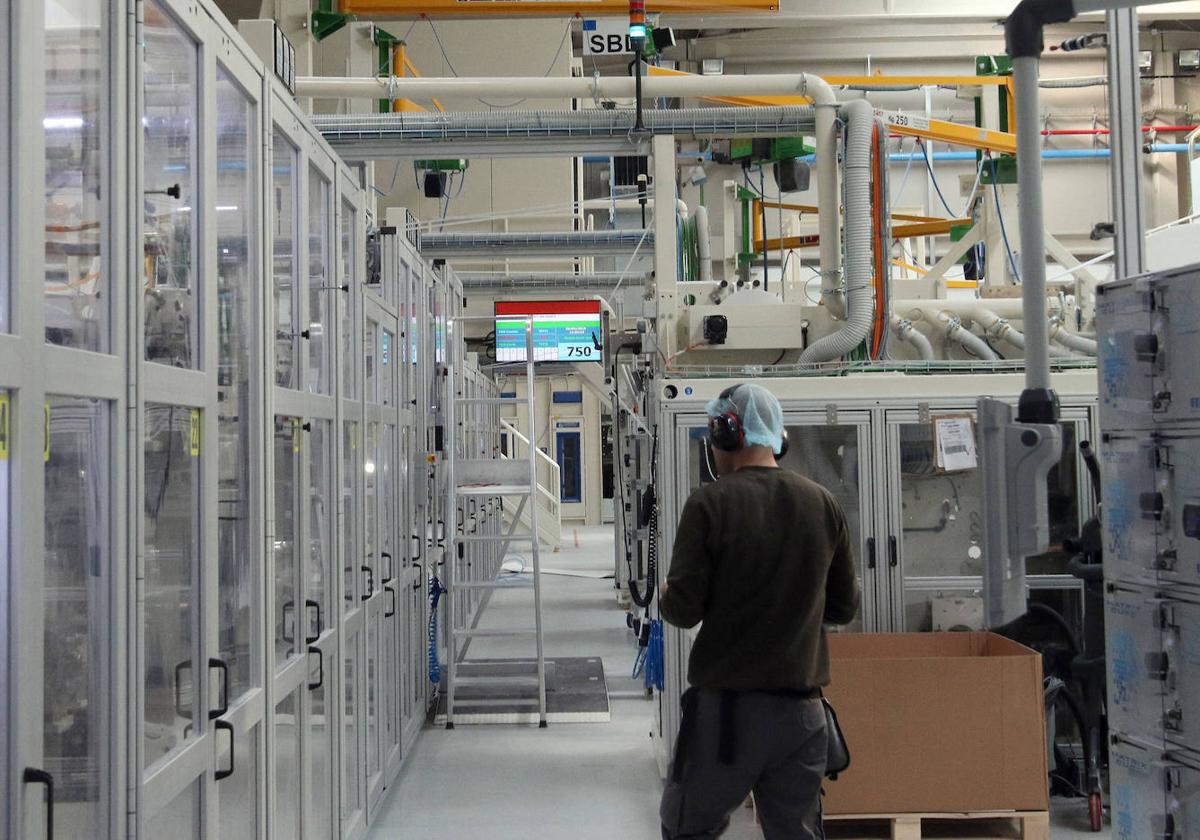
(763,558)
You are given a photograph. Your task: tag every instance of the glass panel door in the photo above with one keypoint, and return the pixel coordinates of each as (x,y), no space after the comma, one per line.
(935,542)
(316,329)
(837,456)
(240,642)
(172,202)
(77,134)
(285,280)
(78,563)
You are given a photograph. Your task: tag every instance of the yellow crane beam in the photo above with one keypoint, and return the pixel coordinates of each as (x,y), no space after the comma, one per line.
(916,230)
(940,131)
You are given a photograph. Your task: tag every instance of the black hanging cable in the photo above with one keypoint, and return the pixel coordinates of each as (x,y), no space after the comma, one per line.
(648,518)
(762,206)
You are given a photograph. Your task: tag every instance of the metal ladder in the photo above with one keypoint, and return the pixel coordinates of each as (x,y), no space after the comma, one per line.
(482,478)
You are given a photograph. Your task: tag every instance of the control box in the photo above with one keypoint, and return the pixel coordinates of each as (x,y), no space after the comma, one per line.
(1148,341)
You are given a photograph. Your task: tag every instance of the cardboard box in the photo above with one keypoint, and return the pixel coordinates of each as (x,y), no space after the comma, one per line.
(938,722)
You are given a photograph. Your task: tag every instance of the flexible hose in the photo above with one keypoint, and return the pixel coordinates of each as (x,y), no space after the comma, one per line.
(436,590)
(703,243)
(1072,341)
(643,599)
(649,663)
(909,334)
(648,517)
(970,342)
(860,296)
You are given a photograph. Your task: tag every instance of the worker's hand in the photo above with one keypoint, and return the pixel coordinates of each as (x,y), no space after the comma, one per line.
(662,588)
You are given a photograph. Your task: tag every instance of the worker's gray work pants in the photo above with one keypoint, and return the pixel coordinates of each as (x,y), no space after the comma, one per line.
(733,743)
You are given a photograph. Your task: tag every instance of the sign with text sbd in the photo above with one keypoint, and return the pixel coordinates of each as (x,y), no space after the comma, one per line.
(609,36)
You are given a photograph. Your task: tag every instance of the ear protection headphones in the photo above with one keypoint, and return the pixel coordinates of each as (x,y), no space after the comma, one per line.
(726,432)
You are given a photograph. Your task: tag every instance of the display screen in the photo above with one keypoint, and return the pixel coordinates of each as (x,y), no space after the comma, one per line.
(563,330)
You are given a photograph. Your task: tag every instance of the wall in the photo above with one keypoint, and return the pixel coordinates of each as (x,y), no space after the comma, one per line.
(488,48)
(547,412)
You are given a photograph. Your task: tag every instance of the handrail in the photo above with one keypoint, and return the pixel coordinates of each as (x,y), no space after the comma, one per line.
(509,427)
(550,494)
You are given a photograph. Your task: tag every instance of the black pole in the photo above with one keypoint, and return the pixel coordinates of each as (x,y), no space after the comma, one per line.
(762,205)
(637,61)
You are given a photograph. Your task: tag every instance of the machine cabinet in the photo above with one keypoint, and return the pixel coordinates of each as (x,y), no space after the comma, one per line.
(917,526)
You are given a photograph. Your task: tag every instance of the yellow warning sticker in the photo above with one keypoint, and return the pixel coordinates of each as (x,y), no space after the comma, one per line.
(3,427)
(194,434)
(46,432)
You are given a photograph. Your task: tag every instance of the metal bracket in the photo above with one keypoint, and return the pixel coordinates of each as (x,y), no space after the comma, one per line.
(831,414)
(325,23)
(924,415)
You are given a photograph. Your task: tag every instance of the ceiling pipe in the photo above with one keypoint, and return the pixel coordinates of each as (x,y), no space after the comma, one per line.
(548,281)
(581,87)
(622,87)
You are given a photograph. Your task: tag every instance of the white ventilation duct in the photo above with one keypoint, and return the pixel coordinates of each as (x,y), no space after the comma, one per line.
(860,297)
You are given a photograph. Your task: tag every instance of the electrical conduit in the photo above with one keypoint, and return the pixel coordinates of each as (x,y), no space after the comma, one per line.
(970,342)
(1072,341)
(906,332)
(859,295)
(703,244)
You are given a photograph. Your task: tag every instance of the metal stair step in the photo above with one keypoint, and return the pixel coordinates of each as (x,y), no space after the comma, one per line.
(498,681)
(494,490)
(463,632)
(522,583)
(486,538)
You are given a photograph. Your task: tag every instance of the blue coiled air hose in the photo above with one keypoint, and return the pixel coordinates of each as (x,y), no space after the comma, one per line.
(649,661)
(435,594)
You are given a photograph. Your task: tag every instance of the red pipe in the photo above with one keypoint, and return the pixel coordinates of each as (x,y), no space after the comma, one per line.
(1168,129)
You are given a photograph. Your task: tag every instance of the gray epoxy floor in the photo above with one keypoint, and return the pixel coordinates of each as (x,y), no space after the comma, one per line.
(571,781)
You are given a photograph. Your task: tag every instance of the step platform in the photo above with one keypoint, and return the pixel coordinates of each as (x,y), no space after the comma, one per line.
(501,691)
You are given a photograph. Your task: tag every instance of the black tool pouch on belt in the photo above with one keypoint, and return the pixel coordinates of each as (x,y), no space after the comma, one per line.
(837,757)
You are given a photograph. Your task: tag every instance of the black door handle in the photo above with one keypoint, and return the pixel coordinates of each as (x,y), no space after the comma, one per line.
(228,727)
(180,709)
(220,665)
(370,582)
(37,776)
(391,592)
(320,669)
(420,543)
(383,555)
(289,607)
(893,552)
(441,533)
(870,552)
(310,604)
(420,577)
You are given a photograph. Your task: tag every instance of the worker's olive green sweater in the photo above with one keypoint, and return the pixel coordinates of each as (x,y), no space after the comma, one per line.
(762,557)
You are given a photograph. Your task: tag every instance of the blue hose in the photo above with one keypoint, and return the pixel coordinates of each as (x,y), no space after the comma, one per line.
(435,594)
(649,662)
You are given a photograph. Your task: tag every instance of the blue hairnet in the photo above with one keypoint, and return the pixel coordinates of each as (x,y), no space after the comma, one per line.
(760,412)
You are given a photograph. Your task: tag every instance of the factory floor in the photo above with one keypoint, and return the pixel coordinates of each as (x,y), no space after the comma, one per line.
(587,781)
